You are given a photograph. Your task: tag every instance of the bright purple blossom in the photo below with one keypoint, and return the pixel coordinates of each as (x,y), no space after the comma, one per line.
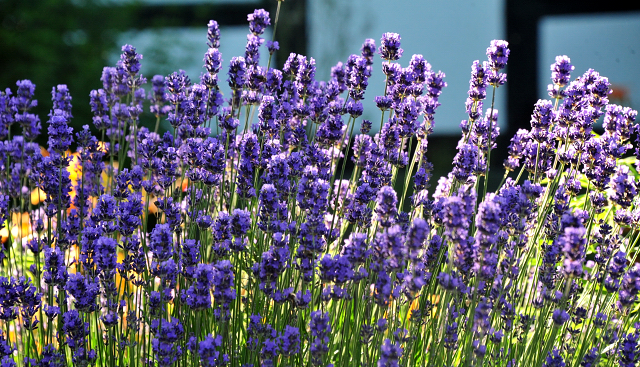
(258,21)
(390,354)
(390,47)
(498,54)
(320,327)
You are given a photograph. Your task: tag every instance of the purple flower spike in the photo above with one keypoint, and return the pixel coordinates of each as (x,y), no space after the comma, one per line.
(213,34)
(237,72)
(560,317)
(209,352)
(386,208)
(554,359)
(368,50)
(624,187)
(75,329)
(629,353)
(130,60)
(273,46)
(61,99)
(320,327)
(258,21)
(358,74)
(290,341)
(573,244)
(390,46)
(60,134)
(498,54)
(478,82)
(23,99)
(6,113)
(212,60)
(467,162)
(561,70)
(252,50)
(166,334)
(390,354)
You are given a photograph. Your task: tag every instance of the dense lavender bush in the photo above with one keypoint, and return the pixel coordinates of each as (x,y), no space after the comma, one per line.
(239,238)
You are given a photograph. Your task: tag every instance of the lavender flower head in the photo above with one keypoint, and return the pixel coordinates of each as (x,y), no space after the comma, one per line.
(164,345)
(478,82)
(258,21)
(573,245)
(252,50)
(368,50)
(624,187)
(177,83)
(386,208)
(60,134)
(365,127)
(498,54)
(23,101)
(130,60)
(390,354)
(209,352)
(320,327)
(468,162)
(100,108)
(212,60)
(561,70)
(21,104)
(237,72)
(290,341)
(630,349)
(554,359)
(390,46)
(358,73)
(6,113)
(61,99)
(213,34)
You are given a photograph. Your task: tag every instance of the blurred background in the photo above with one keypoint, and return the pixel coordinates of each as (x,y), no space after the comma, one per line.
(69,42)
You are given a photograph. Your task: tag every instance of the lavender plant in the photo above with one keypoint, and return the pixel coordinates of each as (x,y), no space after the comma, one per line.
(239,238)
